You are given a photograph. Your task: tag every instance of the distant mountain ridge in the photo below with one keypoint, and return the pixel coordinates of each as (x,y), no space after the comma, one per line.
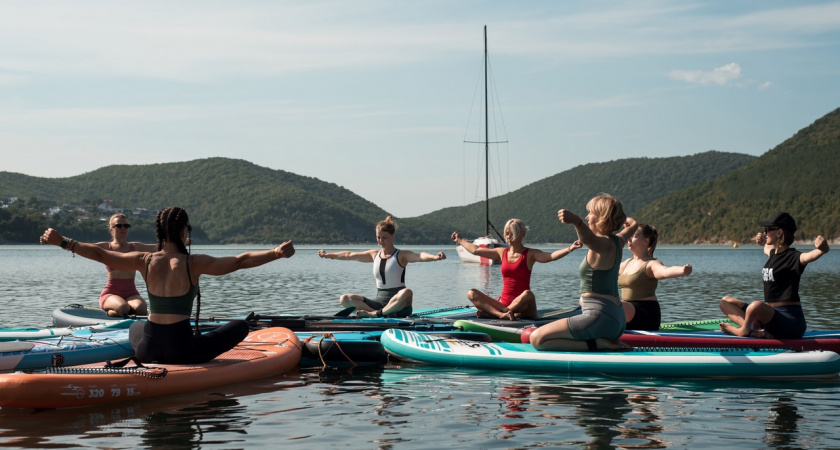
(713,197)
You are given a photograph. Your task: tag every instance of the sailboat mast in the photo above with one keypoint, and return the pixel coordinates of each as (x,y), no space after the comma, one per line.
(486,146)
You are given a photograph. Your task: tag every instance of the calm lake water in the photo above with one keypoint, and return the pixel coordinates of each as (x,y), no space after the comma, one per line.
(411,406)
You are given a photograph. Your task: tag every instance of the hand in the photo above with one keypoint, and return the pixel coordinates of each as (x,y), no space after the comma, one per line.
(687,269)
(760,238)
(575,245)
(821,244)
(51,237)
(322,253)
(456,237)
(286,250)
(567,216)
(440,256)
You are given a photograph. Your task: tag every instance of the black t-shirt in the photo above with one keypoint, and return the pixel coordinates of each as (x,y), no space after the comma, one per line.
(781,275)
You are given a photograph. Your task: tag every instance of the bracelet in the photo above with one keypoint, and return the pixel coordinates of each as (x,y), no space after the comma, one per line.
(378,313)
(277,252)
(64,243)
(332,255)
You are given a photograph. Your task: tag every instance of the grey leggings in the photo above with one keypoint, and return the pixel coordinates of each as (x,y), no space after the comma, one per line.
(599,318)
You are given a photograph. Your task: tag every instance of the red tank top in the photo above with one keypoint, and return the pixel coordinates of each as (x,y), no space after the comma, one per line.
(516,277)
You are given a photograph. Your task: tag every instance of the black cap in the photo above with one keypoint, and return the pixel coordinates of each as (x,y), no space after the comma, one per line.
(782,220)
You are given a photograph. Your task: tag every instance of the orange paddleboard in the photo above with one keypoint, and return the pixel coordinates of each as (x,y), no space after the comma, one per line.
(263,353)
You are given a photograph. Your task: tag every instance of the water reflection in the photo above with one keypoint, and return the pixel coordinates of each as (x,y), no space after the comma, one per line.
(221,416)
(782,424)
(608,415)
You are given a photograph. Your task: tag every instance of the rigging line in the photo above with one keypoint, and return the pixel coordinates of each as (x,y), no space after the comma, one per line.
(498,107)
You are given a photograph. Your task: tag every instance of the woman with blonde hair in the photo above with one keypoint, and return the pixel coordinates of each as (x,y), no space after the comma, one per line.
(120,296)
(517,301)
(393,298)
(601,322)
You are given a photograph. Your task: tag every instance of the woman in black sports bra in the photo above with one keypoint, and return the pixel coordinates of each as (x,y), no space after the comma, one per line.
(171,275)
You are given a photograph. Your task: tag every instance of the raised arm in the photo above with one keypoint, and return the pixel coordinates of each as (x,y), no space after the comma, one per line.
(660,271)
(584,233)
(210,265)
(761,239)
(489,253)
(114,260)
(630,226)
(821,249)
(347,255)
(544,257)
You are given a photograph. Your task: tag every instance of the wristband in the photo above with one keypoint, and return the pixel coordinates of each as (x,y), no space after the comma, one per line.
(332,255)
(65,243)
(378,313)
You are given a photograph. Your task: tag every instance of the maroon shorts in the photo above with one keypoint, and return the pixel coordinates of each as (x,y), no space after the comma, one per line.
(125,288)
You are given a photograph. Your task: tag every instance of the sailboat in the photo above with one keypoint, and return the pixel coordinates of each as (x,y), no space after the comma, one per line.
(487,240)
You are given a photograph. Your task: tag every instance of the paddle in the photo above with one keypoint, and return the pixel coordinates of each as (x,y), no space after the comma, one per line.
(345,312)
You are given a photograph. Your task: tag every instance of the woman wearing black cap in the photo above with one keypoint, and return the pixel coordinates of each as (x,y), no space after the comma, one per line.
(780,314)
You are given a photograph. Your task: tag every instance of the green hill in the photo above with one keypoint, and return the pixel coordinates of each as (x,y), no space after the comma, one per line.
(711,197)
(798,176)
(230,201)
(635,181)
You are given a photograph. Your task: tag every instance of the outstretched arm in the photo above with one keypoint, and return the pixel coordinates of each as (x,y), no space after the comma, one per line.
(544,257)
(821,249)
(489,253)
(407,256)
(660,271)
(347,255)
(114,260)
(210,265)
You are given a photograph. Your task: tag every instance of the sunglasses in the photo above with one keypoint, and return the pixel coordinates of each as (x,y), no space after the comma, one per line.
(769,229)
(122,225)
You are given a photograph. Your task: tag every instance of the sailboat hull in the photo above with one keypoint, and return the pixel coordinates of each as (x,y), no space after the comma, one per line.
(485,242)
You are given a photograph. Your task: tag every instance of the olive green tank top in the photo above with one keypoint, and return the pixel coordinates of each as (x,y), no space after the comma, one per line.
(604,282)
(637,286)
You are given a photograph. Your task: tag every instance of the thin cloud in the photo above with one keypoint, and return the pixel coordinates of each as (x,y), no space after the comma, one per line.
(720,76)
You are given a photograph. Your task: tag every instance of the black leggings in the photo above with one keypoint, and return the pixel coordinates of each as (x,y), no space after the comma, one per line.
(647,317)
(177,344)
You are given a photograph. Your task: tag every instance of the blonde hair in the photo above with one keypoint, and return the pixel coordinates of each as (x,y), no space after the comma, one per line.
(116,216)
(610,213)
(387,225)
(517,228)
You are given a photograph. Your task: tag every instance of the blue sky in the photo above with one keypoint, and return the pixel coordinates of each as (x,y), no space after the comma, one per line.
(378,96)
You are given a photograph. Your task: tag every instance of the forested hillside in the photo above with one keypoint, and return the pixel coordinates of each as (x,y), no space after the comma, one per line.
(798,176)
(635,181)
(230,201)
(711,197)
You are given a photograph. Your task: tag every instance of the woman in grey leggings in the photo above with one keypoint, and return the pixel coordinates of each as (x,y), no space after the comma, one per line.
(601,321)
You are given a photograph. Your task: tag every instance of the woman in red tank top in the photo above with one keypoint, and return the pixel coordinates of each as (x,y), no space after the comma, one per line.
(517,300)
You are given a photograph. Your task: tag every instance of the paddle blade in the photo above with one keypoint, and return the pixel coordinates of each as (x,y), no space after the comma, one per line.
(345,312)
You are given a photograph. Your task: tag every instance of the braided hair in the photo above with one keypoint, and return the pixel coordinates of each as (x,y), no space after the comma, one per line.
(169,224)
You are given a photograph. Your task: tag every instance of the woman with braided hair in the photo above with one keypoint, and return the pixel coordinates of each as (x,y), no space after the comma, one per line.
(171,274)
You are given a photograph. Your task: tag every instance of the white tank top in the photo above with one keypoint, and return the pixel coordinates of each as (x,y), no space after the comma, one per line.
(388,272)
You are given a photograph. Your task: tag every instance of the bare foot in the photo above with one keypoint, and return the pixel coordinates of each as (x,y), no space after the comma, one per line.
(508,315)
(728,328)
(113,313)
(483,315)
(365,314)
